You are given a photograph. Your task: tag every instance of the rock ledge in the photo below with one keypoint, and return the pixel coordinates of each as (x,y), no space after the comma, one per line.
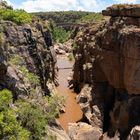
(123,10)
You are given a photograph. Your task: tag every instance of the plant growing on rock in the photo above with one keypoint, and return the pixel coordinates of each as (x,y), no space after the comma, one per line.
(10,128)
(29,76)
(16,60)
(5,99)
(33,79)
(33,119)
(55,104)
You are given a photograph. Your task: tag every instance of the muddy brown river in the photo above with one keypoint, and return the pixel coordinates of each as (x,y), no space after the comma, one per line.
(73,112)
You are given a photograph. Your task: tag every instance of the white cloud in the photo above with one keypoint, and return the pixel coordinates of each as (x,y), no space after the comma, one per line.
(65,5)
(59,5)
(126,1)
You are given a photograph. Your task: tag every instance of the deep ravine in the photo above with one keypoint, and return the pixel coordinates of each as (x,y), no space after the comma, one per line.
(73,112)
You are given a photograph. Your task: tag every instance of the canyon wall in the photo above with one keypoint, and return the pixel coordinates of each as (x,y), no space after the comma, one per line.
(25,63)
(28,70)
(107,71)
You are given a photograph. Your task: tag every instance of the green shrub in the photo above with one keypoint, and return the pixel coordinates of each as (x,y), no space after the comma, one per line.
(33,119)
(5,99)
(55,103)
(10,128)
(17,16)
(17,60)
(31,77)
(92,17)
(68,16)
(60,35)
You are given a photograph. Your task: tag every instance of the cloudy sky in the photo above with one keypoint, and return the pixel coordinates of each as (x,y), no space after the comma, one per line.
(64,5)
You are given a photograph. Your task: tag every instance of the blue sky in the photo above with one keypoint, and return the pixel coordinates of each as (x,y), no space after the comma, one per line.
(64,5)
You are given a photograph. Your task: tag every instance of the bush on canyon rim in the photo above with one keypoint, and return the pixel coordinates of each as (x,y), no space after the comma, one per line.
(17,16)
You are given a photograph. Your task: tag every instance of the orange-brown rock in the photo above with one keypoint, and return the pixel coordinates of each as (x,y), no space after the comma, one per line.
(83,131)
(115,48)
(108,60)
(123,10)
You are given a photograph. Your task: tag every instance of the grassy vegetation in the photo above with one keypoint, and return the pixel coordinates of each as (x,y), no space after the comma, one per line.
(26,120)
(29,77)
(10,128)
(60,35)
(17,16)
(89,18)
(16,60)
(55,103)
(33,119)
(70,16)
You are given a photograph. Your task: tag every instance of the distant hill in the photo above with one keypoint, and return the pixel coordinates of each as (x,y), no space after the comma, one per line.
(70,16)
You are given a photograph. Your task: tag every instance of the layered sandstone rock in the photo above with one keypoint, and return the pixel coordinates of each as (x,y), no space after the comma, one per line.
(123,10)
(108,60)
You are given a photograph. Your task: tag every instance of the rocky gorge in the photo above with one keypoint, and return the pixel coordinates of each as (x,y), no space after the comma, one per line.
(26,69)
(105,78)
(106,74)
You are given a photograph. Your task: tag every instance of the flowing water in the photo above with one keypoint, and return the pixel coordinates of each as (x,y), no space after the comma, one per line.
(73,112)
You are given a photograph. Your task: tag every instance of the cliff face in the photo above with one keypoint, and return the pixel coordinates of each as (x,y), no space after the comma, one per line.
(24,61)
(106,71)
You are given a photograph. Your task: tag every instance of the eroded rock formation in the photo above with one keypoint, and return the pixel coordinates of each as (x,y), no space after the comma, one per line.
(27,68)
(108,61)
(23,49)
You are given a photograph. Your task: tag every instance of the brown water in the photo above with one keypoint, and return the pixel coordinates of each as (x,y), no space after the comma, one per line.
(73,112)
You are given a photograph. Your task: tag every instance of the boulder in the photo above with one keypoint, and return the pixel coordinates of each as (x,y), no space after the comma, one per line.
(83,131)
